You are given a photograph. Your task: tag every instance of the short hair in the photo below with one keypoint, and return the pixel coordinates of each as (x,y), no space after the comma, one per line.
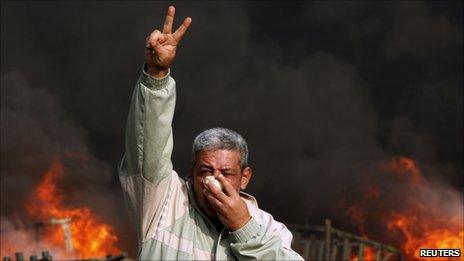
(221,139)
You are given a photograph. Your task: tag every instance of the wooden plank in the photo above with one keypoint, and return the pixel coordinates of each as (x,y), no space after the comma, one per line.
(333,253)
(307,249)
(346,250)
(320,253)
(328,232)
(313,249)
(361,252)
(378,254)
(387,256)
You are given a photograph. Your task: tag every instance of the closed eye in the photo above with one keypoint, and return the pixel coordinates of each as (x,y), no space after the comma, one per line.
(205,171)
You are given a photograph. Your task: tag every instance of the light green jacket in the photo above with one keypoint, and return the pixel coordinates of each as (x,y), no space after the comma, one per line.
(169,223)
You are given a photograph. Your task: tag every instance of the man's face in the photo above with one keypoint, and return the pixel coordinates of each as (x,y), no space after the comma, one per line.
(215,162)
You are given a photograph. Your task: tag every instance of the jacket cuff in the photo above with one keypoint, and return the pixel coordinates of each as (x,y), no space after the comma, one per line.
(153,82)
(245,233)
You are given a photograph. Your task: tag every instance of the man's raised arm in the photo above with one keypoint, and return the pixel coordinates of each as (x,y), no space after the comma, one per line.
(148,132)
(146,166)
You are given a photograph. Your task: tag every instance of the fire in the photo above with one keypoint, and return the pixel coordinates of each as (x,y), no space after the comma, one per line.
(419,214)
(403,168)
(427,235)
(368,254)
(417,235)
(89,236)
(423,224)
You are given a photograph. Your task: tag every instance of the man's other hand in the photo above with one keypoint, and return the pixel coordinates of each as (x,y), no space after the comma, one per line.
(161,46)
(231,208)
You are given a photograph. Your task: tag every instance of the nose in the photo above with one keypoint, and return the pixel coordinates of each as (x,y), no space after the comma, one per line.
(216,173)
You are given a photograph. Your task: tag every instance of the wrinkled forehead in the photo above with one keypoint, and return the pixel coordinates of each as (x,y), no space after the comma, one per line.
(218,159)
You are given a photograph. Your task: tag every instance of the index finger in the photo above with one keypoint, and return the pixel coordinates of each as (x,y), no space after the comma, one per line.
(228,189)
(167,27)
(179,33)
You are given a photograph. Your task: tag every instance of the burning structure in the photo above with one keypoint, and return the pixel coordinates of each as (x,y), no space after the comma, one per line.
(409,212)
(328,243)
(69,233)
(56,195)
(427,216)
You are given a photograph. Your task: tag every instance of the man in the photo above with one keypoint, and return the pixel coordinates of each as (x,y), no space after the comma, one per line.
(195,219)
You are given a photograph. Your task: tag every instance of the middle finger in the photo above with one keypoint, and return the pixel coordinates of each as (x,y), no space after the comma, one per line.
(167,28)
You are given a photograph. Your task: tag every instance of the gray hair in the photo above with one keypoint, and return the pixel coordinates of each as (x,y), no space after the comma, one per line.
(221,139)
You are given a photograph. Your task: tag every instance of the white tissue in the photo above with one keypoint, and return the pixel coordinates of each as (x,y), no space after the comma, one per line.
(214,181)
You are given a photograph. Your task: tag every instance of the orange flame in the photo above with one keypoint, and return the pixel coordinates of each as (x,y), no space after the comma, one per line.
(417,238)
(368,254)
(420,225)
(90,236)
(423,221)
(404,168)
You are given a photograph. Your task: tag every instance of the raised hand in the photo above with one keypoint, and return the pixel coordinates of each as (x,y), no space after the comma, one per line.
(161,46)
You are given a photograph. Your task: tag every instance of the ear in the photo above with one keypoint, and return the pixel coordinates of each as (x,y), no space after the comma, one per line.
(246,176)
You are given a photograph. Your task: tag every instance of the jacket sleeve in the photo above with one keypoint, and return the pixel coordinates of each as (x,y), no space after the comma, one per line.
(256,242)
(149,139)
(145,170)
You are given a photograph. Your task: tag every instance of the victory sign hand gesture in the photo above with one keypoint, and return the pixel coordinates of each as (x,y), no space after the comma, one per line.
(161,46)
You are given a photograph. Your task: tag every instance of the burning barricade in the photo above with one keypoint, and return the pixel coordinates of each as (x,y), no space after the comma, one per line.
(67,232)
(400,206)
